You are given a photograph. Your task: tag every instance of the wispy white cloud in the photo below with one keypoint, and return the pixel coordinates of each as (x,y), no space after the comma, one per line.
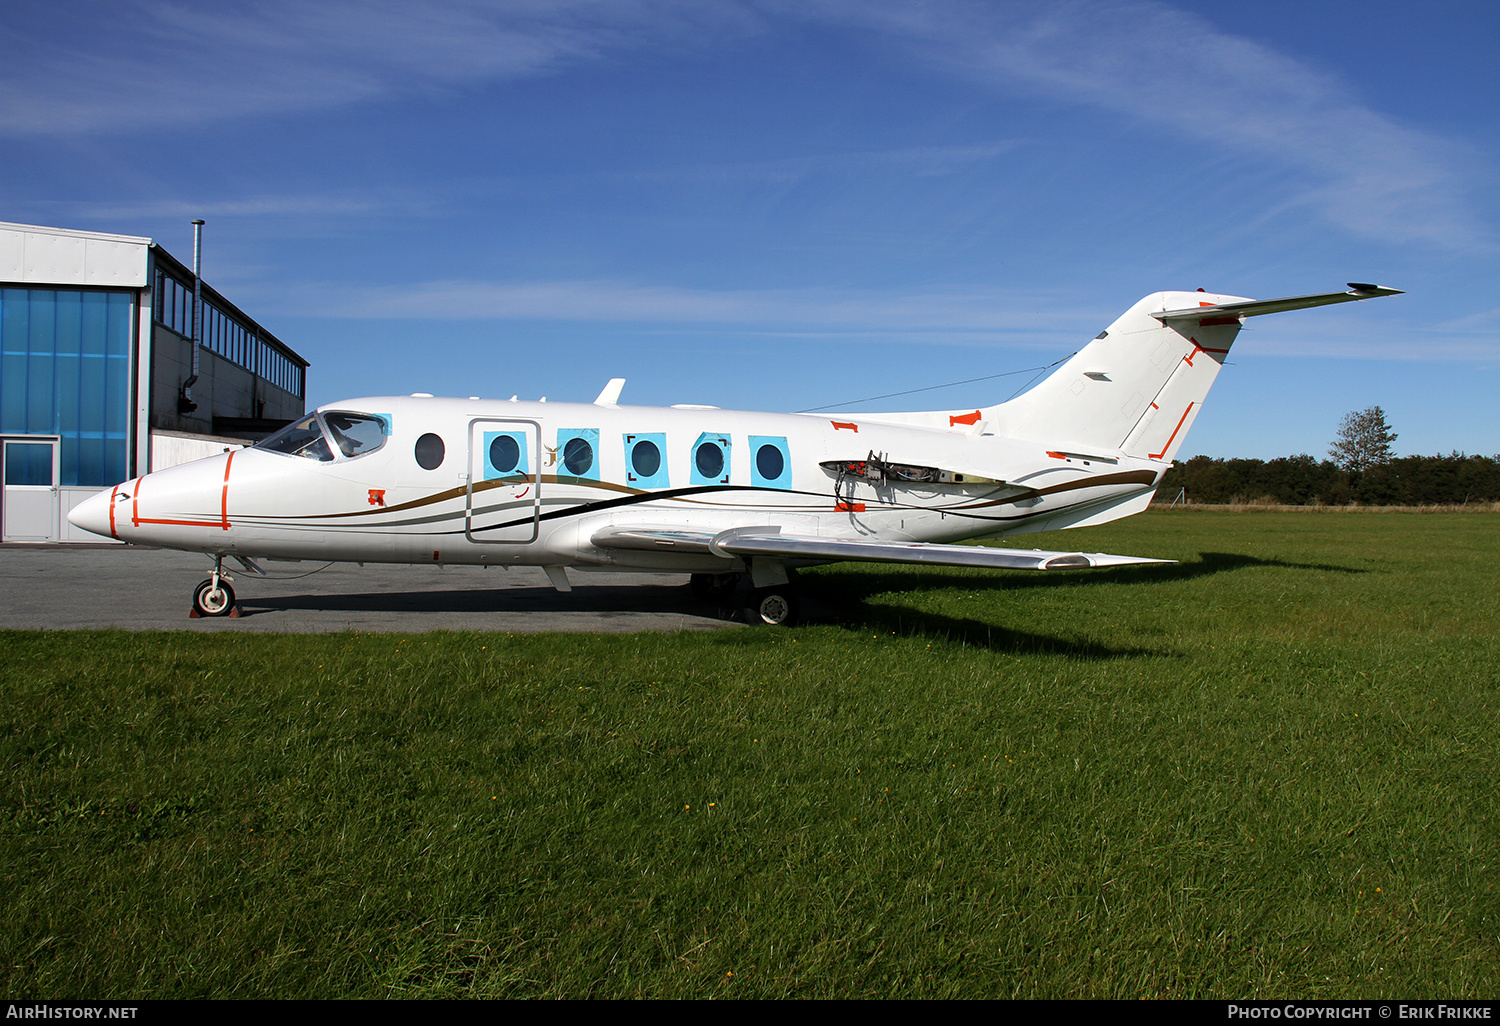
(1060,319)
(812,311)
(157,63)
(258,207)
(152,63)
(910,161)
(1483,323)
(1174,72)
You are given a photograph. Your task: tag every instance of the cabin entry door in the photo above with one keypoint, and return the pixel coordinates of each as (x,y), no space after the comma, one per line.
(504,501)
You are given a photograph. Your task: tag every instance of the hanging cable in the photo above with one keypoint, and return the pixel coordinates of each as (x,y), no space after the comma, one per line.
(931,388)
(295,577)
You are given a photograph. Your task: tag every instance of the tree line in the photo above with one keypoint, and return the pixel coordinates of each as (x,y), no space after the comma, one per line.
(1362,468)
(1454,479)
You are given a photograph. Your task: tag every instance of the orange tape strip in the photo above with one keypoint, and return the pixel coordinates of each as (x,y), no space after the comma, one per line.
(1159,455)
(224,508)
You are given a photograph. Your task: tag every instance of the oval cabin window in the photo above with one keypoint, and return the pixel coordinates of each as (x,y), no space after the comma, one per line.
(578,456)
(710,460)
(769,462)
(645,457)
(430,451)
(505,453)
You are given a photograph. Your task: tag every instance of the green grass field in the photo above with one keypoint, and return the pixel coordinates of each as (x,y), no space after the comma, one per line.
(1267,771)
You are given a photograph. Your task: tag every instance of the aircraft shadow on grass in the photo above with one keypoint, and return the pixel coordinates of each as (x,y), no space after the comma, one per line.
(856,585)
(606,600)
(840,600)
(865,580)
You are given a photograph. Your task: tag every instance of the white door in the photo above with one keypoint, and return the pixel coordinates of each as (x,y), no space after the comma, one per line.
(30,501)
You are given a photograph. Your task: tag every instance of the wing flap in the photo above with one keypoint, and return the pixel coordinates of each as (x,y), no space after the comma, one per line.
(739,543)
(654,539)
(769,542)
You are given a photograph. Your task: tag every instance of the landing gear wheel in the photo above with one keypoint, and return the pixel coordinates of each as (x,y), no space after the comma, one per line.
(771,607)
(713,587)
(209,600)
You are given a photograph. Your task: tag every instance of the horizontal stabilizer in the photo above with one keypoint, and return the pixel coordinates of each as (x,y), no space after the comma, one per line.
(769,542)
(1255,307)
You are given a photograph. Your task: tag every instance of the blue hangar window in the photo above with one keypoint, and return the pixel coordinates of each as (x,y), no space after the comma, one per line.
(645,460)
(65,371)
(710,460)
(505,455)
(577,453)
(770,462)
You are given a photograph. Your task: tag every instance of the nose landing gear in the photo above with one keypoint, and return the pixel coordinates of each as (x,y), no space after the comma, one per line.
(214,597)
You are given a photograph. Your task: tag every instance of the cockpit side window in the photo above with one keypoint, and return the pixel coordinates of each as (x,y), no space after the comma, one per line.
(355,433)
(304,438)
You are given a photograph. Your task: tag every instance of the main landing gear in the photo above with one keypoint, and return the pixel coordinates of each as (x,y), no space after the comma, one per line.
(774,606)
(214,597)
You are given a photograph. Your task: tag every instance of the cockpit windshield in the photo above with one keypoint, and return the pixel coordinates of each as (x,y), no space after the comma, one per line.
(354,434)
(304,438)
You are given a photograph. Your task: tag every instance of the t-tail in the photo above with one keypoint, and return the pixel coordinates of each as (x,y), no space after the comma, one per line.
(1137,387)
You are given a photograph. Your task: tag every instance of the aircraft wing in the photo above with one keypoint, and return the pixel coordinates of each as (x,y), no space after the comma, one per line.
(770,542)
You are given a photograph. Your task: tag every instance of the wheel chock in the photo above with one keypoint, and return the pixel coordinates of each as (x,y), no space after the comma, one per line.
(234,613)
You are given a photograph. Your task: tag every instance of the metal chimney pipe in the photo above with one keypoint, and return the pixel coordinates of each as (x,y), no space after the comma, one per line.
(187,386)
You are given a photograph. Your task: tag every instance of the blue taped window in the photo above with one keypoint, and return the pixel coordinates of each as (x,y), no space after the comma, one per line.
(710,460)
(577,453)
(505,455)
(644,463)
(770,462)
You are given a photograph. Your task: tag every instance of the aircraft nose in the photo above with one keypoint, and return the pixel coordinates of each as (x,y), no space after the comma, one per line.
(92,514)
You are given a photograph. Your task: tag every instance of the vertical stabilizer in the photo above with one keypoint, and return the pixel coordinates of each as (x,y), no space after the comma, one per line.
(1136,387)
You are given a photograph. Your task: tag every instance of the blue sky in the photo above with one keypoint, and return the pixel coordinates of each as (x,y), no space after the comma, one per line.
(771,205)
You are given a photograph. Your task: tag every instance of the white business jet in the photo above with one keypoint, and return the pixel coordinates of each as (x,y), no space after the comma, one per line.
(735,499)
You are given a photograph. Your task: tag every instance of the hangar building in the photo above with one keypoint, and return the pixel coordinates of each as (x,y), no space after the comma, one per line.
(95,350)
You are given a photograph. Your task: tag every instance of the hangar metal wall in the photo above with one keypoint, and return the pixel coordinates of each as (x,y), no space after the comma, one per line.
(91,361)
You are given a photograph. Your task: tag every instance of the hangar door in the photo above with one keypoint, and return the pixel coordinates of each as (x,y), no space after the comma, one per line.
(29,506)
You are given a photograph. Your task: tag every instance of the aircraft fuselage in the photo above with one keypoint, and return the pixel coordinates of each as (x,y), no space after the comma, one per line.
(525,483)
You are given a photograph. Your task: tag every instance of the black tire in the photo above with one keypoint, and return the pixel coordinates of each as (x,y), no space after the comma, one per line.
(772,607)
(210,602)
